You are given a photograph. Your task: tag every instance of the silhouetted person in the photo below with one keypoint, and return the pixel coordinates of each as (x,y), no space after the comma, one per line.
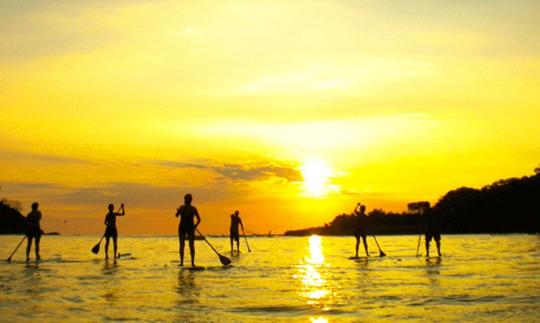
(433,230)
(360,227)
(110,230)
(187,227)
(33,230)
(234,233)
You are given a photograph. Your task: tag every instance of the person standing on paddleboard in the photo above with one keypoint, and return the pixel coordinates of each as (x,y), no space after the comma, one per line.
(33,230)
(433,230)
(111,231)
(360,227)
(233,231)
(186,228)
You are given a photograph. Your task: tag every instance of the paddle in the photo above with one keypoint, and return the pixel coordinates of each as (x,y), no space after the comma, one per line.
(247,244)
(14,251)
(224,260)
(381,253)
(95,249)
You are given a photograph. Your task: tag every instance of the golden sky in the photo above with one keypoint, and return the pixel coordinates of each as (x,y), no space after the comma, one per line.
(289,111)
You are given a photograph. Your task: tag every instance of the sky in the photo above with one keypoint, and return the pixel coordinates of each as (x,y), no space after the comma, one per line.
(289,111)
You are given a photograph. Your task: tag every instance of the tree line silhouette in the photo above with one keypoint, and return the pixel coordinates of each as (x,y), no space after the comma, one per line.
(505,206)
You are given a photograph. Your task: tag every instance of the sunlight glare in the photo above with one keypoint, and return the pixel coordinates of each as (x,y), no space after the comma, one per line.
(316,174)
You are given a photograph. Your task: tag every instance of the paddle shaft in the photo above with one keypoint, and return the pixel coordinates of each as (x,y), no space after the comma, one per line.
(16,248)
(377,243)
(204,238)
(245,238)
(419,236)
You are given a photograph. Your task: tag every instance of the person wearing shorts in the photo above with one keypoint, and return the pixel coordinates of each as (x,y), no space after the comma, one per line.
(33,230)
(233,231)
(433,230)
(360,227)
(111,231)
(187,226)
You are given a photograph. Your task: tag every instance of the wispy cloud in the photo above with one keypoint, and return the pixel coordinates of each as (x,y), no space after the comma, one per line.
(136,194)
(249,172)
(15,156)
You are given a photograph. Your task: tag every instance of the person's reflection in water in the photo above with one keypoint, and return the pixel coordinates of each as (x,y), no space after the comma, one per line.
(110,268)
(433,270)
(362,263)
(188,296)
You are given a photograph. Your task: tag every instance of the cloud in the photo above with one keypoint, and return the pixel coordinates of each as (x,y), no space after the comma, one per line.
(238,172)
(17,156)
(135,194)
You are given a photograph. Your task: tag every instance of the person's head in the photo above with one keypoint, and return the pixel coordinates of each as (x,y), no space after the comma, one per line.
(35,206)
(362,208)
(111,207)
(187,199)
(236,212)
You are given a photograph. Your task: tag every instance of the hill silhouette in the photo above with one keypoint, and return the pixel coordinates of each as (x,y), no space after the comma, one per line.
(11,219)
(505,206)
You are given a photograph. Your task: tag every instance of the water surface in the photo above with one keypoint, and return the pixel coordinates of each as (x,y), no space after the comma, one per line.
(479,278)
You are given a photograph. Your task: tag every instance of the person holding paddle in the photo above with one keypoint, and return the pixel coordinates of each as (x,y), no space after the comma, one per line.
(433,230)
(233,231)
(187,227)
(33,230)
(360,227)
(111,231)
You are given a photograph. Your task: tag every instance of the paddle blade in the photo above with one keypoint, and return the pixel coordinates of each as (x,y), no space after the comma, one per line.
(95,249)
(224,260)
(381,253)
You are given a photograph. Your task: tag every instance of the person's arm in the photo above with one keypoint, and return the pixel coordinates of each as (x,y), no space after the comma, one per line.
(122,211)
(39,215)
(105,222)
(355,211)
(198,218)
(178,211)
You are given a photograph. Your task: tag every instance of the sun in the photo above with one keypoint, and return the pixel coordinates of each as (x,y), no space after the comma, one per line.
(316,174)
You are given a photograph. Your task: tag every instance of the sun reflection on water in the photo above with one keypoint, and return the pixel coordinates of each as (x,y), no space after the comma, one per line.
(318,320)
(313,285)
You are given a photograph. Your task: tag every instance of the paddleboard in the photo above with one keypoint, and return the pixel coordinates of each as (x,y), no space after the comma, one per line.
(125,256)
(196,268)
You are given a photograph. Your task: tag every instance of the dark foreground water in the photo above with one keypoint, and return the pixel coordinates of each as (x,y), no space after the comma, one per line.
(479,278)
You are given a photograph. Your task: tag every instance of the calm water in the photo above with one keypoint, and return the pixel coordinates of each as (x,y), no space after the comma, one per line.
(479,278)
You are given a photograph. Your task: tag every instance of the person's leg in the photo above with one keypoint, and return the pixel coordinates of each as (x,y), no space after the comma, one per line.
(182,238)
(38,238)
(438,243)
(428,239)
(232,239)
(357,244)
(364,240)
(192,248)
(28,247)
(115,245)
(107,246)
